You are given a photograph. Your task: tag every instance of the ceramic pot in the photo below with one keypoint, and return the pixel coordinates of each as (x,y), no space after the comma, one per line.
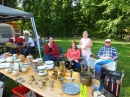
(18,64)
(49,64)
(8,69)
(24,68)
(15,72)
(40,61)
(85,78)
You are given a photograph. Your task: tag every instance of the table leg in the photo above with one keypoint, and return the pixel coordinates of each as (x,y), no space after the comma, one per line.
(2,76)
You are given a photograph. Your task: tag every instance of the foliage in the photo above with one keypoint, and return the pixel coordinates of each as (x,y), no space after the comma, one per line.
(10,3)
(68,18)
(115,17)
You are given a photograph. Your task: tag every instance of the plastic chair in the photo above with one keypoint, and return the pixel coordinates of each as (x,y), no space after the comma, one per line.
(61,51)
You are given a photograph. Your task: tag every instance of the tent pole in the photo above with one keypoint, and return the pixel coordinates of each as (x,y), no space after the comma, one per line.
(36,34)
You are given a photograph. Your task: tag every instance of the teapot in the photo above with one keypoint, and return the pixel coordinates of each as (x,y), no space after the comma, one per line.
(18,64)
(10,59)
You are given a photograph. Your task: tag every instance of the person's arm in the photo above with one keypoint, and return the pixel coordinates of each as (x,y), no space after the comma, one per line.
(99,54)
(90,43)
(114,54)
(46,49)
(80,44)
(68,55)
(29,43)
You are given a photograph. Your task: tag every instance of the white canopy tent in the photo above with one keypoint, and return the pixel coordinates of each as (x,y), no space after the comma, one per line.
(8,14)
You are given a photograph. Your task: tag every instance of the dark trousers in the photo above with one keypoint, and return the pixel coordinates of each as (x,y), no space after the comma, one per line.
(70,65)
(49,57)
(28,51)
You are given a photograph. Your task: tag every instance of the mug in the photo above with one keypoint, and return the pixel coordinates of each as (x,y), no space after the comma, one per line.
(56,72)
(24,68)
(8,69)
(44,83)
(15,72)
(54,76)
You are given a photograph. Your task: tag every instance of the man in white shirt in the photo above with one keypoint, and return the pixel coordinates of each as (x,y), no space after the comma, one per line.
(29,45)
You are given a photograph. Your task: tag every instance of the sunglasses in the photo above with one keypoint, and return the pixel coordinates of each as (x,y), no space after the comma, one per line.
(107,42)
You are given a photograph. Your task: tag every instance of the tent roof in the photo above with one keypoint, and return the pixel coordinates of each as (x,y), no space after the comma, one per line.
(11,14)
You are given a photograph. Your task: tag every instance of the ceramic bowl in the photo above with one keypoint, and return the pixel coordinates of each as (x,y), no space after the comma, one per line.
(29,56)
(49,64)
(40,61)
(40,68)
(35,61)
(24,68)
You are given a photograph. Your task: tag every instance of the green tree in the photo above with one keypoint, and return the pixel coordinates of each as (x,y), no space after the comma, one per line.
(115,18)
(10,3)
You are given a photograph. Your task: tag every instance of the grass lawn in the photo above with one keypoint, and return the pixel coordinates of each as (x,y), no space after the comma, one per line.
(123,49)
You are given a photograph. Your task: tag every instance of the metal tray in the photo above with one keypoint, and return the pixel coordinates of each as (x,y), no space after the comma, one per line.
(71,88)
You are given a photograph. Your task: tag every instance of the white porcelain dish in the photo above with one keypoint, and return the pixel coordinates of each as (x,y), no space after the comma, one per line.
(49,64)
(2,60)
(35,61)
(4,65)
(70,88)
(39,59)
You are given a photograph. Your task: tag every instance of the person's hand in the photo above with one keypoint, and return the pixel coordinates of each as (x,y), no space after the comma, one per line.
(106,58)
(50,45)
(111,58)
(86,45)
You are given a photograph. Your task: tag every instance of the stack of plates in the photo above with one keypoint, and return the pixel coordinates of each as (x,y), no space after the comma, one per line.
(2,60)
(4,65)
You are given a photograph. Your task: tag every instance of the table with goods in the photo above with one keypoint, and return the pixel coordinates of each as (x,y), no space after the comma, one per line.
(43,78)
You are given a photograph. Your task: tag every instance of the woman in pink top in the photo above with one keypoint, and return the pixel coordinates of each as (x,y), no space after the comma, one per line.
(73,55)
(85,44)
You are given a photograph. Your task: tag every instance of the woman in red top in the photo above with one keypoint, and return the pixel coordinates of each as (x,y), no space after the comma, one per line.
(51,50)
(73,55)
(18,41)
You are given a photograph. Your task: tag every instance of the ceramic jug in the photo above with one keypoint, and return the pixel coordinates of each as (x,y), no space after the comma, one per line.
(62,67)
(18,64)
